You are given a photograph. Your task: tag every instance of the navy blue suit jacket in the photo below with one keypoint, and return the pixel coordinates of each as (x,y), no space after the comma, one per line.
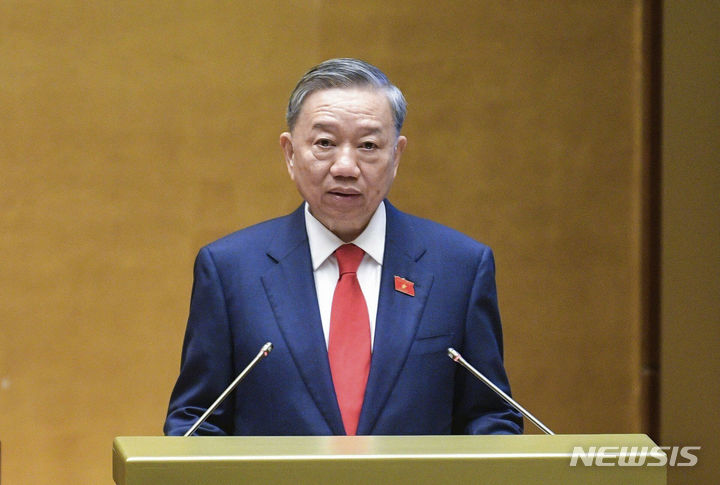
(257,285)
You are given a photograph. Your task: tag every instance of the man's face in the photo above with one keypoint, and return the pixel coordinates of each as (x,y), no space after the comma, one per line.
(343,155)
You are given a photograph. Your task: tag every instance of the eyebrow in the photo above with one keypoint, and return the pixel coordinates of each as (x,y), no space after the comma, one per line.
(333,127)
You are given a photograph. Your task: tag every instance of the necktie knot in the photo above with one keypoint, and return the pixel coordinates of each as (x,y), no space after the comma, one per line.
(348,258)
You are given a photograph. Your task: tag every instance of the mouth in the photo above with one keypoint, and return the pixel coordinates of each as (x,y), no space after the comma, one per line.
(345,193)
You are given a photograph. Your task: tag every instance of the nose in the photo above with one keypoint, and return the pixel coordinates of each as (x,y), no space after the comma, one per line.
(345,165)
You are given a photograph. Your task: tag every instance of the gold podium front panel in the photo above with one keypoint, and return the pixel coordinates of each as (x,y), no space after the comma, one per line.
(497,460)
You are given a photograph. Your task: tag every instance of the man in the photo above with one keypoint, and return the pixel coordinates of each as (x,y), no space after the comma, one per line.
(360,300)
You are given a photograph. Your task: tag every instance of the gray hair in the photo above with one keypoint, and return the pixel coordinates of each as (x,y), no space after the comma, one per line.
(345,73)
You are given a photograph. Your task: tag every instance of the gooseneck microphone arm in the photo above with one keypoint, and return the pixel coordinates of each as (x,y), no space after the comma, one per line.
(455,355)
(264,351)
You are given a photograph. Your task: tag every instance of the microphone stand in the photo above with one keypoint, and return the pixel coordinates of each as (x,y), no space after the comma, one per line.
(455,355)
(264,351)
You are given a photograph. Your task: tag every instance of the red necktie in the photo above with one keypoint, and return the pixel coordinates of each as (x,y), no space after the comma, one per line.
(349,343)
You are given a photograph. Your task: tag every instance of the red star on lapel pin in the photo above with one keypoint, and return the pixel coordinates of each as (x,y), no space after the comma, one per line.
(404,286)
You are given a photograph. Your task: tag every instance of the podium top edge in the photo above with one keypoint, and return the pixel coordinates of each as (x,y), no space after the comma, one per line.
(318,447)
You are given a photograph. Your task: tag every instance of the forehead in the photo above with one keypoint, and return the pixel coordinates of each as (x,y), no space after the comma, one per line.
(347,104)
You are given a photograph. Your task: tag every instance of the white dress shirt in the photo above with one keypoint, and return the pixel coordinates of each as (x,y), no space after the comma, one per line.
(323,244)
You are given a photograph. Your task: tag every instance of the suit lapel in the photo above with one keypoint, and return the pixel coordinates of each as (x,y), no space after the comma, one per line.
(398,315)
(290,288)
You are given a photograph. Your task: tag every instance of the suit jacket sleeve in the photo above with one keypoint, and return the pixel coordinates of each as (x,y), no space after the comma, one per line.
(207,363)
(478,410)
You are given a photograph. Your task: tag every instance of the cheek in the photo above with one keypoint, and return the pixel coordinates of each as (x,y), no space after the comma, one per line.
(387,176)
(310,175)
(379,183)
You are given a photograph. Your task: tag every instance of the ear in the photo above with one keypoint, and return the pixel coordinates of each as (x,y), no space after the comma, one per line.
(289,152)
(399,148)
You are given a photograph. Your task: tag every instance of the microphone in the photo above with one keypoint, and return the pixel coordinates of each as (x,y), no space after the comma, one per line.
(264,351)
(455,355)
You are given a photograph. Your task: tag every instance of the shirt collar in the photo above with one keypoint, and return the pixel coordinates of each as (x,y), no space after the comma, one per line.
(323,242)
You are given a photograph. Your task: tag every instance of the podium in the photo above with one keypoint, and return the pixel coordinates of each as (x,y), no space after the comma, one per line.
(497,460)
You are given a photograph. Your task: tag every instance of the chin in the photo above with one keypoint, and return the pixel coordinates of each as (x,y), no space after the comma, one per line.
(345,232)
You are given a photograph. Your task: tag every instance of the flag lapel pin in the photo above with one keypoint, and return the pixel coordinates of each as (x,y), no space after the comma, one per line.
(404,286)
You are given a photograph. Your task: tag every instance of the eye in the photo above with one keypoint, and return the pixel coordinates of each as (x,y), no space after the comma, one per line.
(368,145)
(323,143)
